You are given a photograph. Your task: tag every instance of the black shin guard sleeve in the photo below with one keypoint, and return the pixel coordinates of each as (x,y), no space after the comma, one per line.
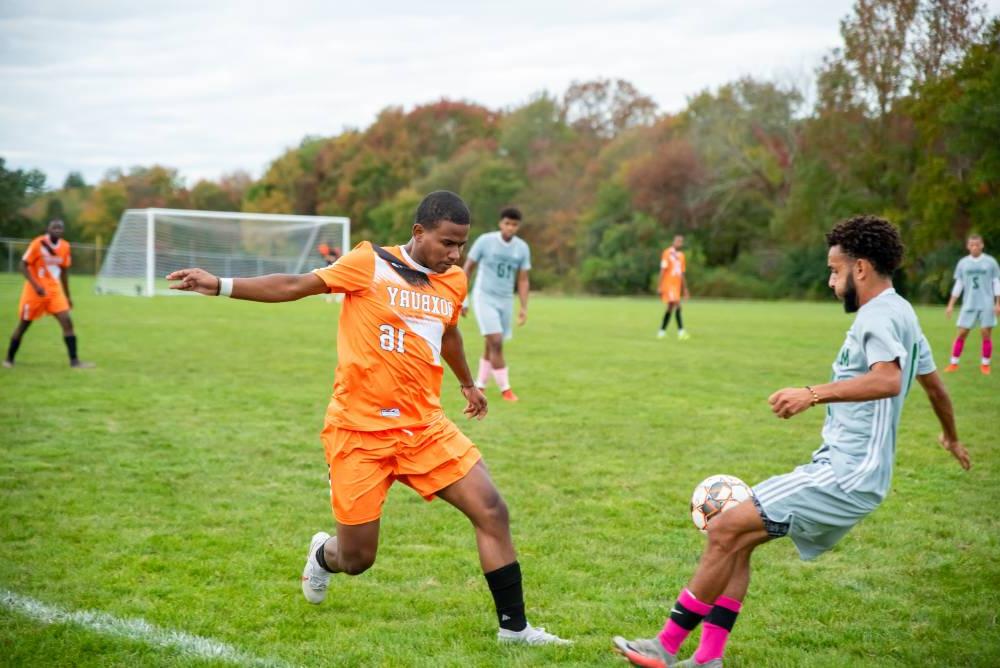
(722,617)
(508,596)
(684,618)
(666,319)
(680,323)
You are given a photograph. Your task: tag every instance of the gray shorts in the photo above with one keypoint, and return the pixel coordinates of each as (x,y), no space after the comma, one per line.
(810,507)
(495,315)
(986,317)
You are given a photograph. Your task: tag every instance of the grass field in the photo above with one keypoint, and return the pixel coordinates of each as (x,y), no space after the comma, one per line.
(180,481)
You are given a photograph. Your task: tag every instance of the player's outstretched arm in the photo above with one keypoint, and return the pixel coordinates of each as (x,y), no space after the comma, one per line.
(453,352)
(883,380)
(941,402)
(270,288)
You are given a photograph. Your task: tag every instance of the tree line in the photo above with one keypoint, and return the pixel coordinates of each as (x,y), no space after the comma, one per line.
(903,120)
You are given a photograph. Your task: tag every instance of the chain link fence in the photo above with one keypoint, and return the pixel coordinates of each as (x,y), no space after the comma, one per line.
(86,257)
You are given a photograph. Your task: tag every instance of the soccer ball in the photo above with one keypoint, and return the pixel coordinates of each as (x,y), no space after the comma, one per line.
(715,495)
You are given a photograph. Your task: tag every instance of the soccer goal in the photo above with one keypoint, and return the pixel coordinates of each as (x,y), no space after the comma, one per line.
(151,243)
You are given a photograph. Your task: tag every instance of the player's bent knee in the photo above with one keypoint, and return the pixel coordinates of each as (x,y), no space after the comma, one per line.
(357,561)
(357,564)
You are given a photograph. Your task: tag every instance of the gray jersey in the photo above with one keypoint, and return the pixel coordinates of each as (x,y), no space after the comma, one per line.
(859,438)
(499,261)
(977,279)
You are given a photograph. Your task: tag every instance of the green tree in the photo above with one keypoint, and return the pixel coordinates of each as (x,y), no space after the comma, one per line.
(17,188)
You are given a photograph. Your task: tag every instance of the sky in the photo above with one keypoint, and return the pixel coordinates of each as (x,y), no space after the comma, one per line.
(209,87)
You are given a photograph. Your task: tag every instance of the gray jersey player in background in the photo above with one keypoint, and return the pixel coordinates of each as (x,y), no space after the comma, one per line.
(850,473)
(977,281)
(503,258)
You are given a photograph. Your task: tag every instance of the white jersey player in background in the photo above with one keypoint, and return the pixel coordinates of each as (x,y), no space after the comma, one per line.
(977,281)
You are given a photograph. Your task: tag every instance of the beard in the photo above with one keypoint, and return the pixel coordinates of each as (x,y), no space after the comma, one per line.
(851,304)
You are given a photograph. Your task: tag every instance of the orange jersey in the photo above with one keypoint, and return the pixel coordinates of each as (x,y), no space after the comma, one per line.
(46,261)
(673,265)
(389,342)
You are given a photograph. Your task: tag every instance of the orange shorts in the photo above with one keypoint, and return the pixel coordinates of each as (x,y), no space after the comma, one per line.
(364,464)
(33,307)
(670,293)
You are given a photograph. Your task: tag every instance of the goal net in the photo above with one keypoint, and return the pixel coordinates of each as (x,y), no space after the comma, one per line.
(151,243)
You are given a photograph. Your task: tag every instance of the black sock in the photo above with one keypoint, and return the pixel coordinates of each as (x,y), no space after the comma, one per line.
(508,596)
(680,323)
(321,559)
(666,318)
(71,347)
(12,350)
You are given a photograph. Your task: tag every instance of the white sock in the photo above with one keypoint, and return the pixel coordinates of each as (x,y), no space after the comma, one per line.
(954,360)
(500,376)
(483,377)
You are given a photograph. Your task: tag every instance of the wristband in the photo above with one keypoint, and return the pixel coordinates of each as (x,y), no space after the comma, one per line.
(815,396)
(225,287)
(466,387)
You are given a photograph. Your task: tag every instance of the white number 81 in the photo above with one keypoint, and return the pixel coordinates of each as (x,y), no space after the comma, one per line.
(391,339)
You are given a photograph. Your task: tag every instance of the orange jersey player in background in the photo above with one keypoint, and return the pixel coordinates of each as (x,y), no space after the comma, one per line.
(330,254)
(672,286)
(45,266)
(384,422)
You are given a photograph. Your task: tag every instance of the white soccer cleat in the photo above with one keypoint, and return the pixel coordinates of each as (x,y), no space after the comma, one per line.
(314,577)
(531,636)
(660,334)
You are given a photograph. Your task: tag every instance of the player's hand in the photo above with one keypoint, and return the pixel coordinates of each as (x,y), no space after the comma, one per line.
(195,280)
(957,451)
(39,290)
(522,317)
(476,408)
(948,310)
(996,309)
(465,311)
(790,401)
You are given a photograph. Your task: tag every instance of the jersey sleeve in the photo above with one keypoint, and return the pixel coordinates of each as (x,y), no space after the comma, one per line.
(353,272)
(925,358)
(958,269)
(880,341)
(663,260)
(476,252)
(33,251)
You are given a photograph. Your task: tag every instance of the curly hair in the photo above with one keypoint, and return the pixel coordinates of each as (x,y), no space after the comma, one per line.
(510,212)
(869,238)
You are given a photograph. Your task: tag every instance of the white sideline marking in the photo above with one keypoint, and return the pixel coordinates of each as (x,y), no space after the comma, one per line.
(137,629)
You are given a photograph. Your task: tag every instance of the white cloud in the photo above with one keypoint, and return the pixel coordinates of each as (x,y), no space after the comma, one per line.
(209,87)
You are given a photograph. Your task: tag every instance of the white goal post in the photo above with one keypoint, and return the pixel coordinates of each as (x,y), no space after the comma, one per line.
(150,243)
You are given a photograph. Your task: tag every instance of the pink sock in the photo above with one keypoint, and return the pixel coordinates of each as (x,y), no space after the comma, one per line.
(987,350)
(673,634)
(500,376)
(484,372)
(716,629)
(956,349)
